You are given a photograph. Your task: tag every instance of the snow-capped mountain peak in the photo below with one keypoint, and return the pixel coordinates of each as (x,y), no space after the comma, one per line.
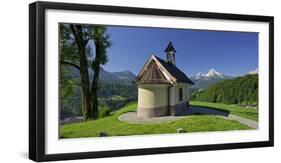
(214,73)
(255,71)
(199,75)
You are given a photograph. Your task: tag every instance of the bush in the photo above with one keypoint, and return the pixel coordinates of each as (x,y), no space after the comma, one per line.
(104,112)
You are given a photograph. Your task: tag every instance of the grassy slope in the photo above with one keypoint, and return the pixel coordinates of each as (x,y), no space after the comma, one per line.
(249,113)
(113,127)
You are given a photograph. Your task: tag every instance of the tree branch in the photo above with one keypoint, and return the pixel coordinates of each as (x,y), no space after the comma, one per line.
(70,64)
(73,30)
(87,40)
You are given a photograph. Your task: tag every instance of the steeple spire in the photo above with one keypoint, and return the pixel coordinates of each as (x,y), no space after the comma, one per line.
(170,47)
(171,54)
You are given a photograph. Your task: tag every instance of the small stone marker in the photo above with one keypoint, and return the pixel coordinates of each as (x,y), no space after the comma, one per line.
(180,130)
(102,134)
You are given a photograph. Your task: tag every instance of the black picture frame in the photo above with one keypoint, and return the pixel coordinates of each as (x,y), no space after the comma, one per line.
(37,80)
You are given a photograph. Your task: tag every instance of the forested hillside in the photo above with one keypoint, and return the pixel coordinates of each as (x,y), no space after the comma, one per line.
(240,90)
(115,91)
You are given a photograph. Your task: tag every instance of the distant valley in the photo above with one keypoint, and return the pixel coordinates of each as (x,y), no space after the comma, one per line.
(115,90)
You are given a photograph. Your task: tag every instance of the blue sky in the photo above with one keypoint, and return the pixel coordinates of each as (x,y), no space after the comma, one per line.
(231,53)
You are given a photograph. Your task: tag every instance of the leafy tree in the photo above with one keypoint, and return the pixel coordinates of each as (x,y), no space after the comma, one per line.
(74,52)
(67,89)
(102,42)
(67,50)
(82,37)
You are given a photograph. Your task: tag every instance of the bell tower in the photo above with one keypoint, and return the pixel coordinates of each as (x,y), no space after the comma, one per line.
(171,54)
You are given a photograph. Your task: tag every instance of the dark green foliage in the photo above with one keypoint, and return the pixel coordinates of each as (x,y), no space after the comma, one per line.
(112,95)
(104,112)
(110,89)
(241,90)
(70,106)
(67,50)
(116,95)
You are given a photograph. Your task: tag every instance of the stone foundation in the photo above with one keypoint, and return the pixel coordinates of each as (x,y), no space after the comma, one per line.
(152,112)
(179,108)
(163,111)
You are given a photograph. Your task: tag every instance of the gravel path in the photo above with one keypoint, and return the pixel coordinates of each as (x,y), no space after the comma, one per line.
(131,117)
(245,121)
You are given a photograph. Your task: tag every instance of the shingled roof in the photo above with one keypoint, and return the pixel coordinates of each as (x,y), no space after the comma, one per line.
(175,72)
(153,73)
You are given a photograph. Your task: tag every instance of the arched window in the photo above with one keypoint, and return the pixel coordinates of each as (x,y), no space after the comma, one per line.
(180,94)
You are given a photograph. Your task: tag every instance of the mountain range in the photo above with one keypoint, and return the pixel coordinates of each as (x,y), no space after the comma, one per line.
(202,80)
(122,77)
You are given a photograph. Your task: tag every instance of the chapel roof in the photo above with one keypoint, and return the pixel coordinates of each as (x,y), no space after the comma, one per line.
(152,75)
(158,71)
(175,72)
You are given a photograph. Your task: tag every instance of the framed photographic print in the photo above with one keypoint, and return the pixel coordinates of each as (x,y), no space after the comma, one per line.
(111,81)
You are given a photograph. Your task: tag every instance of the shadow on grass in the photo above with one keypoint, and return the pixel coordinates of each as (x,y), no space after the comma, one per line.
(199,110)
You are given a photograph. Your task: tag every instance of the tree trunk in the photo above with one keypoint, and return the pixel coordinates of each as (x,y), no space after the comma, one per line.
(85,87)
(94,89)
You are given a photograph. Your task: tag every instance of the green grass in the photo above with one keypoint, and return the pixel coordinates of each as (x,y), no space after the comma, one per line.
(249,113)
(113,127)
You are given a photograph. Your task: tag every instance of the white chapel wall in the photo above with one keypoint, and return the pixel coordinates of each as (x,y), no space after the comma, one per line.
(152,95)
(174,93)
